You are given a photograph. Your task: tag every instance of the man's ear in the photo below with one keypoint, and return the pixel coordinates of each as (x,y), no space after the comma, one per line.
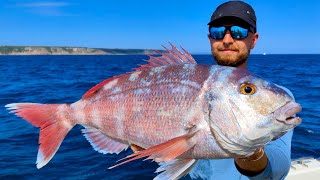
(254,40)
(210,39)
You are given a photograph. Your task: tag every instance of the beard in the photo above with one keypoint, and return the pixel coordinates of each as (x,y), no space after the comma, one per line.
(228,60)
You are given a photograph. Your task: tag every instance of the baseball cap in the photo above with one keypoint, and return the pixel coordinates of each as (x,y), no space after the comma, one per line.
(237,9)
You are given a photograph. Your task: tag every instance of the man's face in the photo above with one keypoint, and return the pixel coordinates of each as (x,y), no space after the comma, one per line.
(232,52)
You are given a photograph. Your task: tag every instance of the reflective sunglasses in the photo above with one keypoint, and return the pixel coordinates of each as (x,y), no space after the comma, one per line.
(236,32)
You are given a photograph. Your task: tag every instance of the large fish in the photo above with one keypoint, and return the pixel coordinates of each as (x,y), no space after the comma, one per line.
(175,109)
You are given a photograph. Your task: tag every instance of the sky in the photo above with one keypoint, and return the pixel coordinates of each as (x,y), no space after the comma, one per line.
(284,26)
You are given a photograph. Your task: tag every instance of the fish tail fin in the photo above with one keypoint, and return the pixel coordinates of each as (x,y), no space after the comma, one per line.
(53,121)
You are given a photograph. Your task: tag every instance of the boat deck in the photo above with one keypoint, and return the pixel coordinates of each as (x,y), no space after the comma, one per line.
(304,168)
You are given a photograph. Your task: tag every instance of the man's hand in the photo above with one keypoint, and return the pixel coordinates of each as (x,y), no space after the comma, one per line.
(252,165)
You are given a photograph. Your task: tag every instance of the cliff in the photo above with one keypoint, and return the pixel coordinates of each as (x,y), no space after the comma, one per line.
(46,50)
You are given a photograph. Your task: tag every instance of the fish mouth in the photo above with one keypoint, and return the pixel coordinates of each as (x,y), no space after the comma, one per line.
(286,113)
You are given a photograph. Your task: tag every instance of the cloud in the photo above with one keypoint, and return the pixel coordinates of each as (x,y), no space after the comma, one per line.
(47,8)
(44,4)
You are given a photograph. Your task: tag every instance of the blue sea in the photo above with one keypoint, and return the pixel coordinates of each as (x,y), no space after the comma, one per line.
(64,79)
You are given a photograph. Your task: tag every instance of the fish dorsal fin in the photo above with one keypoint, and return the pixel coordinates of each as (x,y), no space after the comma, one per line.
(95,88)
(102,143)
(173,57)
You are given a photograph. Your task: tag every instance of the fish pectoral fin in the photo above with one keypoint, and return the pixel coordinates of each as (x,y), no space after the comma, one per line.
(136,148)
(102,143)
(175,169)
(164,152)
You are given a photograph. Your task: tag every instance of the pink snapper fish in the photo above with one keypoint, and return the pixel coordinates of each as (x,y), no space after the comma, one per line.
(177,110)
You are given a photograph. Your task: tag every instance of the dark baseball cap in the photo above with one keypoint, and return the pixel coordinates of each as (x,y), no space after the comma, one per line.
(237,9)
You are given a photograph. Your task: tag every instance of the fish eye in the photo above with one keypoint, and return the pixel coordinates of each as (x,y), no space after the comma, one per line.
(247,88)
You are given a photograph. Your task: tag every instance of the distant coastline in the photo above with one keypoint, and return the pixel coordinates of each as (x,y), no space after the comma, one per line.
(49,50)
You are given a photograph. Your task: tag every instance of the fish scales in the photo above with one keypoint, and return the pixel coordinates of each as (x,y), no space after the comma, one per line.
(139,110)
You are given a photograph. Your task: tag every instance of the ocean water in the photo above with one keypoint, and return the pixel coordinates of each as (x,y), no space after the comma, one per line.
(64,79)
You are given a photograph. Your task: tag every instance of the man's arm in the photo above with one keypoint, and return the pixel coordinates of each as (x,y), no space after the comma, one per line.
(278,154)
(252,165)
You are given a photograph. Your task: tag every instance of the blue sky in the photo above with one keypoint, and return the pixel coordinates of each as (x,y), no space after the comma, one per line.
(284,26)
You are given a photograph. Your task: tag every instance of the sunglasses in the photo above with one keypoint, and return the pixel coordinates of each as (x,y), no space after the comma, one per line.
(236,32)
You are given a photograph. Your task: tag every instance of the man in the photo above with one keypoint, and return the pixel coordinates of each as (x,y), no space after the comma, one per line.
(232,34)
